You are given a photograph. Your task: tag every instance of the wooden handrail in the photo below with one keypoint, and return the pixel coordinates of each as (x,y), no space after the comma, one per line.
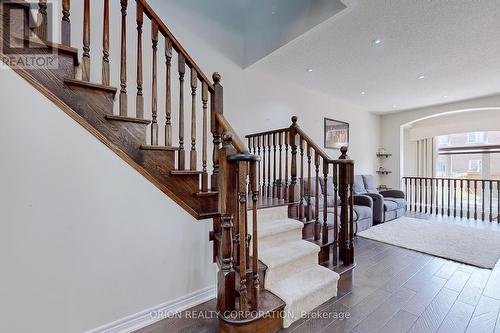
(281,130)
(151,14)
(445,178)
(226,127)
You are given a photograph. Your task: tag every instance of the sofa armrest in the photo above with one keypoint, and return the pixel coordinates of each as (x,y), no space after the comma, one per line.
(393,194)
(378,206)
(363,200)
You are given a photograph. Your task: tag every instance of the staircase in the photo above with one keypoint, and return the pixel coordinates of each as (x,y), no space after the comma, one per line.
(279,250)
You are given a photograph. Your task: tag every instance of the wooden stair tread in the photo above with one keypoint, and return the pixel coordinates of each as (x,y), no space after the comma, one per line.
(81,83)
(269,303)
(206,194)
(128,119)
(186,172)
(152,147)
(38,43)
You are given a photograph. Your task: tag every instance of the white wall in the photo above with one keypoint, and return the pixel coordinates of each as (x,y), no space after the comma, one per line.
(472,114)
(84,238)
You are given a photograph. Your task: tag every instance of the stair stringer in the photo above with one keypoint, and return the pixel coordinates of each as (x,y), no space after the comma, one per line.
(88,106)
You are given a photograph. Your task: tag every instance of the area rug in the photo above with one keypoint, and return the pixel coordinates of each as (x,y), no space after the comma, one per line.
(469,245)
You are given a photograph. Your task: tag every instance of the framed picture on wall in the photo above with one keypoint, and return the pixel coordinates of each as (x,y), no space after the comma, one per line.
(336,134)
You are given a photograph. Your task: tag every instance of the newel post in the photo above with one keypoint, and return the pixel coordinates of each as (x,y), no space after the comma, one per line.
(346,237)
(292,197)
(216,106)
(226,292)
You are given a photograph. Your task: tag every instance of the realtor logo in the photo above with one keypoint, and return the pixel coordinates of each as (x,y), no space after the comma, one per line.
(26,28)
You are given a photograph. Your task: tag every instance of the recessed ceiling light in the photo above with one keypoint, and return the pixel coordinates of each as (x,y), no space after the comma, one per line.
(309,70)
(377,41)
(363,93)
(445,96)
(421,77)
(394,106)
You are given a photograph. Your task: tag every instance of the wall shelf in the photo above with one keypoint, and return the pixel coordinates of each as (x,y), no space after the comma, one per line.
(386,155)
(384,172)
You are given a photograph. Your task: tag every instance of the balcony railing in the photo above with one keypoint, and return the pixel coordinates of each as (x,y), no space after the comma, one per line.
(477,199)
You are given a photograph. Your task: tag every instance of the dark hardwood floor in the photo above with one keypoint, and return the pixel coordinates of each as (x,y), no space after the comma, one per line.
(391,290)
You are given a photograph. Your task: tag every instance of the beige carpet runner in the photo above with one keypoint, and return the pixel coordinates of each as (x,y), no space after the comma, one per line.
(293,272)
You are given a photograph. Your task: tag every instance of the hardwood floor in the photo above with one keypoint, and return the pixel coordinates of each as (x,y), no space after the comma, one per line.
(391,290)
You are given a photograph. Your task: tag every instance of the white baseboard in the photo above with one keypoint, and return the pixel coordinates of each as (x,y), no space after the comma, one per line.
(144,318)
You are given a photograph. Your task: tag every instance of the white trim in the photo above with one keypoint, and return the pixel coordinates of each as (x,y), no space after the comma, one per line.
(144,318)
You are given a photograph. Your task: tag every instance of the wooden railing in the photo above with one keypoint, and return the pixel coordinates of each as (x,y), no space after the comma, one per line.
(457,197)
(234,174)
(238,277)
(291,167)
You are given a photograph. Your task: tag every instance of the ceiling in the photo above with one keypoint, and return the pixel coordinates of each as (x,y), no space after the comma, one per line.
(454,44)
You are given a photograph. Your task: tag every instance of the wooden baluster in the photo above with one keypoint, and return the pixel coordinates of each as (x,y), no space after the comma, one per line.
(420,204)
(139,99)
(336,204)
(442,197)
(475,199)
(324,232)
(302,181)
(194,84)
(123,60)
(216,106)
(269,184)
(287,140)
(204,176)
(255,254)
(425,193)
(461,198)
(491,199)
(350,181)
(66,23)
(168,92)
(293,161)
(411,195)
(105,77)
(468,199)
(41,23)
(317,228)
(182,71)
(454,198)
(242,220)
(309,185)
(432,195)
(86,41)
(258,138)
(264,166)
(482,200)
(498,201)
(280,165)
(154,87)
(437,196)
(275,180)
(448,189)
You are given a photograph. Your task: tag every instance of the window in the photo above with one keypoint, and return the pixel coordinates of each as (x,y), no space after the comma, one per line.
(475,137)
(443,140)
(475,165)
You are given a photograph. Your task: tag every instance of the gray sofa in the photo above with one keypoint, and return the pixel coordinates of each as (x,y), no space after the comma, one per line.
(387,205)
(363,205)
